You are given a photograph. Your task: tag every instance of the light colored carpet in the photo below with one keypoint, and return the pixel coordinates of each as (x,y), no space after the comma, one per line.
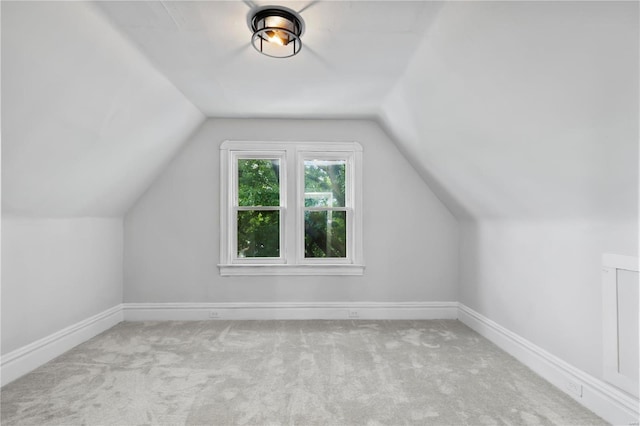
(288,372)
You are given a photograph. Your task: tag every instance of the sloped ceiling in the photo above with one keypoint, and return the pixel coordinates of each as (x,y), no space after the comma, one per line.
(525,110)
(87,121)
(345,68)
(508,109)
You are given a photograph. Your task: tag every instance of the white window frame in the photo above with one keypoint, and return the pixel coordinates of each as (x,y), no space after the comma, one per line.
(291,260)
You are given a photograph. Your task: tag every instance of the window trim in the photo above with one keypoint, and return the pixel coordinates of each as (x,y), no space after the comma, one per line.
(292,260)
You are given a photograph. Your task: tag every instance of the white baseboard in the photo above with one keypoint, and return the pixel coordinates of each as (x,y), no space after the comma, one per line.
(293,310)
(598,396)
(610,403)
(27,358)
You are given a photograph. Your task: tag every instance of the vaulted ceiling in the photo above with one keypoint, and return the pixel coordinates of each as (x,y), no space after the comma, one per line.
(345,68)
(507,109)
(87,121)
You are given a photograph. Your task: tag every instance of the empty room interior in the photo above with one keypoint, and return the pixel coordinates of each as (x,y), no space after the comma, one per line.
(319,212)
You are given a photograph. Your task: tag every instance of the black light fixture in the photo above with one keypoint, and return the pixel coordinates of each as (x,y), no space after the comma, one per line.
(277,31)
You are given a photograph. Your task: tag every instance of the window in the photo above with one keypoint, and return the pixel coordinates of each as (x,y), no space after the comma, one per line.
(291,208)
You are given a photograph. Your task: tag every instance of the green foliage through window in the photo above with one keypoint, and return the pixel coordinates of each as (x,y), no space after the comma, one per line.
(258,186)
(258,182)
(325,233)
(258,233)
(324,183)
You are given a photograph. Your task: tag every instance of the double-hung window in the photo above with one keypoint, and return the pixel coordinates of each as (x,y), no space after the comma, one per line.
(291,208)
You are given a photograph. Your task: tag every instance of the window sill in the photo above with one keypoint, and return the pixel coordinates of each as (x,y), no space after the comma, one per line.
(263,270)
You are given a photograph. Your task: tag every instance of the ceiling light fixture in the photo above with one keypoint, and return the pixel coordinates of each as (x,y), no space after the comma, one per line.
(277,31)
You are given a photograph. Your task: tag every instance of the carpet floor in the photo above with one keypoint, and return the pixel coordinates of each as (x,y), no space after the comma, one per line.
(287,372)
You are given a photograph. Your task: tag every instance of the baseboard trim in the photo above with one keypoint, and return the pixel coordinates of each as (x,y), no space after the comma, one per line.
(27,358)
(598,396)
(291,311)
(610,403)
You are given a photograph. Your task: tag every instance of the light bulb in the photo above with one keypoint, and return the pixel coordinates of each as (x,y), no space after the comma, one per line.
(276,39)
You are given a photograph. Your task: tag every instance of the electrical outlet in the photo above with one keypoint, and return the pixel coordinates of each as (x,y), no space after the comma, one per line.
(214,314)
(574,388)
(353,314)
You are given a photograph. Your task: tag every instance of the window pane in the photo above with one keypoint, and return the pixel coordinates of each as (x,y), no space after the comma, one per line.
(258,182)
(325,234)
(258,233)
(324,183)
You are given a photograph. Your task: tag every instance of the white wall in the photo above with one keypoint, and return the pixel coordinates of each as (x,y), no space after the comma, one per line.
(523,117)
(171,233)
(55,273)
(542,280)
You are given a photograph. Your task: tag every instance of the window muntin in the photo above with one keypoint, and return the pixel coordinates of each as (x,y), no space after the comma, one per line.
(291,208)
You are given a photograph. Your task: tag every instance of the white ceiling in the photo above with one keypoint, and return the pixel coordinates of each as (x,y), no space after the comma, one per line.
(87,121)
(509,110)
(526,110)
(353,53)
